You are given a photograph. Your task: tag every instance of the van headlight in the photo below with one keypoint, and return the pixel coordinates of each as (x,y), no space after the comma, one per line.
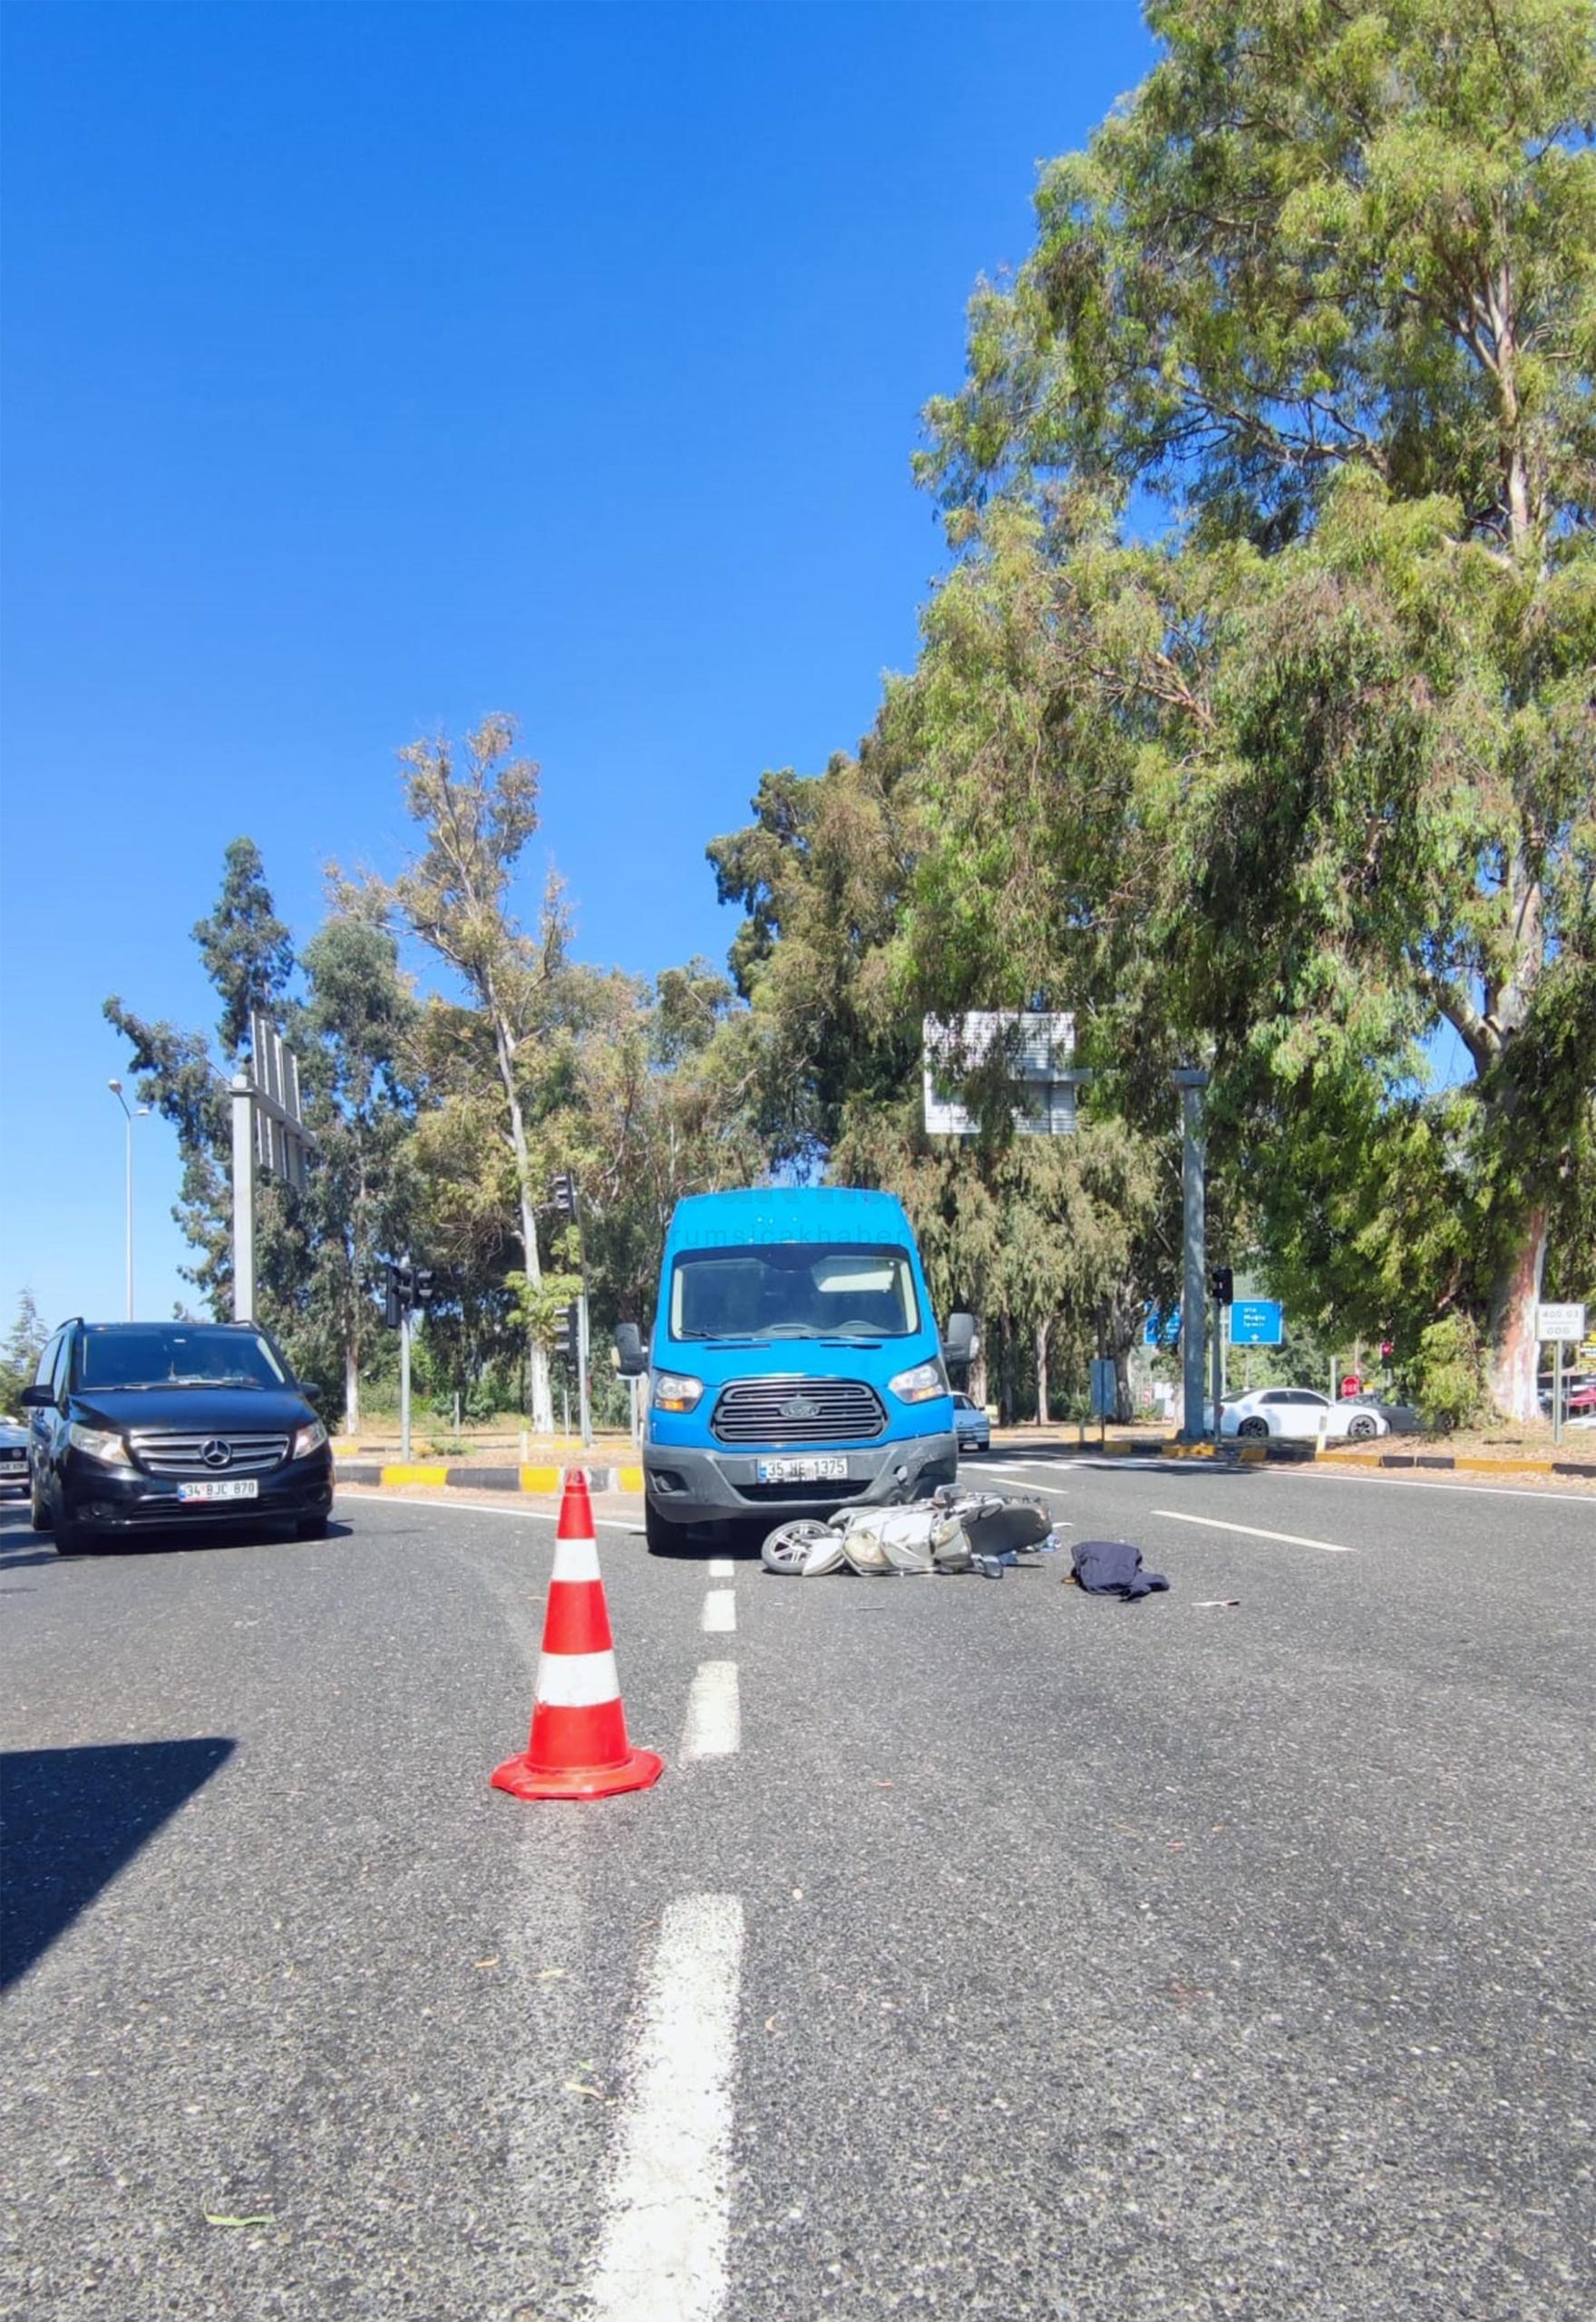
(923,1384)
(99,1443)
(672,1392)
(308,1440)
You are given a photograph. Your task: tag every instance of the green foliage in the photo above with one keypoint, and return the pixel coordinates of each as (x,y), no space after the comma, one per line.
(1448,1376)
(246,948)
(1312,770)
(24,1342)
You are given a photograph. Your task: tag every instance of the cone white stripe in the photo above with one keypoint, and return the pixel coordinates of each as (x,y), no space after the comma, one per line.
(576,1560)
(577,1680)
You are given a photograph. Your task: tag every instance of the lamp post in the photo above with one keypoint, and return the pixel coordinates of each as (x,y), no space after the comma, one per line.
(141,1114)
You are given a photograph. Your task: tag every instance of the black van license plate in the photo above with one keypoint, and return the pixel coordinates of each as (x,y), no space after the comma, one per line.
(239,1489)
(801,1472)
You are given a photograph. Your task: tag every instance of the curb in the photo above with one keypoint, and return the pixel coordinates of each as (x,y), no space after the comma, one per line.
(543,1482)
(1252,1454)
(1472,1466)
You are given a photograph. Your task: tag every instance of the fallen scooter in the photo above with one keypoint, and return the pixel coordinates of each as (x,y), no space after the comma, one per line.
(954,1531)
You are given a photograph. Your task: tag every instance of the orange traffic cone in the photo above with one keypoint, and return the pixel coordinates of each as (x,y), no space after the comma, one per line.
(578,1747)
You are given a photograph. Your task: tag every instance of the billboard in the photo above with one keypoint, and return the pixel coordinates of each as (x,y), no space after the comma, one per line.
(1034,1049)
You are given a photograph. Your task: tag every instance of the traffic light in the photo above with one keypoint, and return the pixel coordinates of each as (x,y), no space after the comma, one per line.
(565,1194)
(404,1286)
(565,1332)
(1221,1284)
(427,1288)
(392,1313)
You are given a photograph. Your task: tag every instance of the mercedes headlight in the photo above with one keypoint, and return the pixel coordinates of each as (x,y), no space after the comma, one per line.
(99,1443)
(308,1440)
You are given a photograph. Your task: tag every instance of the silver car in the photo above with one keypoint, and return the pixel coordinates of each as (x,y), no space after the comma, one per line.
(14,1455)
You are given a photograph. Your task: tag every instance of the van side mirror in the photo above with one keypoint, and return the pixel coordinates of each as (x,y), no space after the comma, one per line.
(961,1342)
(37,1399)
(628,1347)
(311,1394)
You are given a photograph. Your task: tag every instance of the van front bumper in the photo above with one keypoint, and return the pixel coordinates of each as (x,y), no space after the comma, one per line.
(688,1485)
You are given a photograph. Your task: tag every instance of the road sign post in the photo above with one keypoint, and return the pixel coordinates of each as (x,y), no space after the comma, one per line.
(1563,1325)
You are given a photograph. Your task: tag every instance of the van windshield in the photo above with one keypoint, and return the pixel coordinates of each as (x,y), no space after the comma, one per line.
(176,1357)
(794,1290)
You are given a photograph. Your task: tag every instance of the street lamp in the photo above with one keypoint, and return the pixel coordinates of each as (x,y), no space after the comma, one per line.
(141,1114)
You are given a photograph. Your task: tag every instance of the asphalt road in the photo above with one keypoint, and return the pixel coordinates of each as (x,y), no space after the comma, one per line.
(989,1950)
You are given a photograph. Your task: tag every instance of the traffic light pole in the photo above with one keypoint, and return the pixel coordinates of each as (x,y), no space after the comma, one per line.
(1191,1081)
(1219,1364)
(404,1322)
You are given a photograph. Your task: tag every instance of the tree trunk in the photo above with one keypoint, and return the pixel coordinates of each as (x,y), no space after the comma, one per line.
(1515,1295)
(539,1394)
(976,1381)
(351,1386)
(1042,1334)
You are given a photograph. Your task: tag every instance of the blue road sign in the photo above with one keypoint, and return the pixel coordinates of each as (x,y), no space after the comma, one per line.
(1256,1322)
(1162,1330)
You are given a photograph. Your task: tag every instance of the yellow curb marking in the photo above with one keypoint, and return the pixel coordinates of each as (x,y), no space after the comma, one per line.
(415,1475)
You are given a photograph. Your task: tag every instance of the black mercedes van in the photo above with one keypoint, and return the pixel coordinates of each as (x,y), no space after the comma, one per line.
(136,1427)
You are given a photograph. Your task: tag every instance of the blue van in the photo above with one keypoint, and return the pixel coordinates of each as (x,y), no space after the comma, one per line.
(795,1364)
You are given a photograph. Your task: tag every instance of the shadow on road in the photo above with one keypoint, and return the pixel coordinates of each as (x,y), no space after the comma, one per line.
(74,1817)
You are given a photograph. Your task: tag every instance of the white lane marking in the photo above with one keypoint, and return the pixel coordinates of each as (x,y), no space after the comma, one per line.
(720,1611)
(371,1497)
(721,1568)
(1023,1472)
(1525,1491)
(661,2250)
(1255,1532)
(714,1727)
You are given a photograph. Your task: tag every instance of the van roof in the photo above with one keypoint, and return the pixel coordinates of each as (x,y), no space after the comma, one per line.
(787,1213)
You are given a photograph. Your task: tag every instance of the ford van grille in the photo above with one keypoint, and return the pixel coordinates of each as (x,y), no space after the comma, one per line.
(164,1451)
(798,1411)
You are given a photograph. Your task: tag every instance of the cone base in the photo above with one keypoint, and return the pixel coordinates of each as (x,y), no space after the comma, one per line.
(639,1769)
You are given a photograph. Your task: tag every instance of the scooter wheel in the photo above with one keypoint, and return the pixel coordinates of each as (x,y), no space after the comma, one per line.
(786,1549)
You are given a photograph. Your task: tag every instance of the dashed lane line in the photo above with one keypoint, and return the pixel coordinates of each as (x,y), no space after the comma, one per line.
(714,1726)
(662,2250)
(721,1568)
(1254,1532)
(720,1611)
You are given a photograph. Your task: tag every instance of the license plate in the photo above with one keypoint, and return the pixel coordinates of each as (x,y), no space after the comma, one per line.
(239,1490)
(801,1471)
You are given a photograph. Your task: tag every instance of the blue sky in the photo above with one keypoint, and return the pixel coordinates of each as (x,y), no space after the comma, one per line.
(368,368)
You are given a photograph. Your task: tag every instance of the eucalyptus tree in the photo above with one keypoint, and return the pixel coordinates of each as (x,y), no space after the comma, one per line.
(1275,468)
(476,809)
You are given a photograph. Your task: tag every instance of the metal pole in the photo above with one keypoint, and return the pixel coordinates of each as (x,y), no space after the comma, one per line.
(129,1116)
(243,1198)
(1557,1391)
(130,1225)
(584,1404)
(1219,1363)
(1191,1082)
(404,1386)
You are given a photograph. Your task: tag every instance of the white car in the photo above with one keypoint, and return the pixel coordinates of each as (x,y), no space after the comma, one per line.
(1298,1415)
